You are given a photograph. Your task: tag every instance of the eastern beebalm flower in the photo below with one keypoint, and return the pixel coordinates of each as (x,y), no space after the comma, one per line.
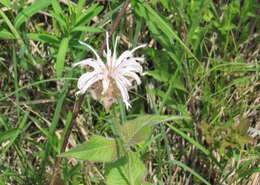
(110,80)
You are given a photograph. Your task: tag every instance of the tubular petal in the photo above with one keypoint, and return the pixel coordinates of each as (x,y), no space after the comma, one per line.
(105,83)
(94,51)
(122,57)
(85,78)
(90,62)
(124,81)
(135,67)
(124,93)
(114,53)
(127,54)
(138,47)
(90,82)
(134,76)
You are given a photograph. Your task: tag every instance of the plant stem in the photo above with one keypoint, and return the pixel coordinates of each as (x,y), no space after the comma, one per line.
(117,133)
(76,109)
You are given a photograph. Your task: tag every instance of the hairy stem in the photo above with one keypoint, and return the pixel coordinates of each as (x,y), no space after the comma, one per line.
(121,147)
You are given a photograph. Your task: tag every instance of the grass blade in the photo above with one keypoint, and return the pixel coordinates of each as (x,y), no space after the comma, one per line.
(185,167)
(4,34)
(12,28)
(61,56)
(195,143)
(151,15)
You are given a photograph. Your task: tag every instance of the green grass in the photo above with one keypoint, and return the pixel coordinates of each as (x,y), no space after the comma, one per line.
(202,62)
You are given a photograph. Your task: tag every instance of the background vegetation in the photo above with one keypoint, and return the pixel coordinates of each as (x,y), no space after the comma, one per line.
(202,61)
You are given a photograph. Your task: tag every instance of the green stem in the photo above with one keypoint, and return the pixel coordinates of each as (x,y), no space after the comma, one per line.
(12,28)
(17,97)
(115,126)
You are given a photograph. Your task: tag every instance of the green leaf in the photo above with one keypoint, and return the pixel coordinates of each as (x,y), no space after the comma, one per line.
(86,16)
(97,149)
(126,171)
(56,7)
(30,11)
(60,18)
(159,75)
(243,126)
(12,28)
(6,3)
(80,5)
(13,134)
(61,56)
(87,29)
(242,139)
(43,37)
(249,172)
(9,134)
(178,84)
(138,130)
(4,34)
(167,4)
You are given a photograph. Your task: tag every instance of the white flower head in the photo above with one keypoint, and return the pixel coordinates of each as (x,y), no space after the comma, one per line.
(112,79)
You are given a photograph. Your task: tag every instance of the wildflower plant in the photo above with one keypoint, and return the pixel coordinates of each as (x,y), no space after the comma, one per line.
(108,81)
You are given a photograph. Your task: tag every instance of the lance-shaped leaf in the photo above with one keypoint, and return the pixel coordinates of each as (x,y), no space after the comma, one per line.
(97,149)
(45,38)
(6,3)
(138,130)
(126,171)
(64,45)
(87,15)
(4,34)
(30,11)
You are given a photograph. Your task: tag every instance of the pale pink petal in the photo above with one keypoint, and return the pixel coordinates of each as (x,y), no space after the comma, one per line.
(99,61)
(122,57)
(133,66)
(129,61)
(133,75)
(138,47)
(124,80)
(108,54)
(85,78)
(89,83)
(125,55)
(105,84)
(124,93)
(90,62)
(114,58)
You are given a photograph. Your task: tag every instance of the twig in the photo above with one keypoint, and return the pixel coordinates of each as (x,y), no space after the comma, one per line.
(76,109)
(115,24)
(80,101)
